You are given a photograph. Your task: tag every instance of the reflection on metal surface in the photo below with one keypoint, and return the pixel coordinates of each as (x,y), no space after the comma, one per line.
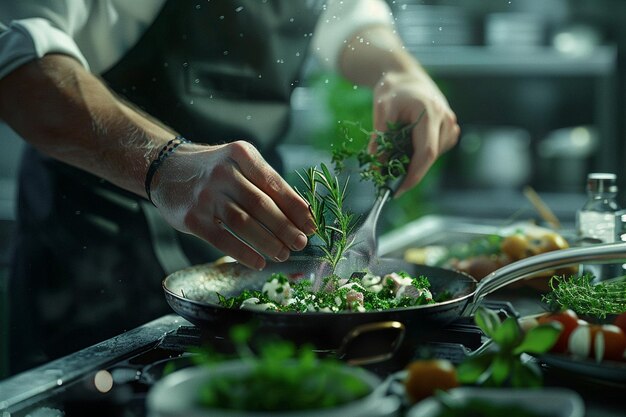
(356,338)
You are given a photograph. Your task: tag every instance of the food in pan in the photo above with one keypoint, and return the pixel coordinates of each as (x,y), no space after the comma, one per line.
(361,292)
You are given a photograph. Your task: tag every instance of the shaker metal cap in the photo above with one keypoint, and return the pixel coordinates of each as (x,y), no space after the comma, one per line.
(602,182)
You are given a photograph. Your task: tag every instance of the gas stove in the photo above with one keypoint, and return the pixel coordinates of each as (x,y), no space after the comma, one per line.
(112,378)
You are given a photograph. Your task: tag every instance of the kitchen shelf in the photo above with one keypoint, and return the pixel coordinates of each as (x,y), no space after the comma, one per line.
(460,65)
(516,61)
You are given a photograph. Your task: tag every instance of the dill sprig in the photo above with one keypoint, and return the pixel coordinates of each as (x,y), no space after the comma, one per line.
(585,298)
(326,197)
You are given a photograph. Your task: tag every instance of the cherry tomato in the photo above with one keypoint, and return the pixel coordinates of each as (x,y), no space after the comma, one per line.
(426,376)
(620,321)
(569,320)
(601,342)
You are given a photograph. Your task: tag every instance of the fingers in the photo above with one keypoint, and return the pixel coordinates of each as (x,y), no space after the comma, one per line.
(402,98)
(282,197)
(216,233)
(256,218)
(254,205)
(425,138)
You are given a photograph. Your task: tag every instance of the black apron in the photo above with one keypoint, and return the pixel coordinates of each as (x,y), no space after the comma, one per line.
(89,256)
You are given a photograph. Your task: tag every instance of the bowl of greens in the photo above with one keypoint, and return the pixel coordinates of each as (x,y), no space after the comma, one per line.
(278,379)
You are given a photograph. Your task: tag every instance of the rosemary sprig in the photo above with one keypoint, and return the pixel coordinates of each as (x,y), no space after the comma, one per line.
(585,298)
(334,225)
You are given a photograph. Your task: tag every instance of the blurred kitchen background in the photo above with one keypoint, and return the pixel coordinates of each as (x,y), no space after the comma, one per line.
(538,87)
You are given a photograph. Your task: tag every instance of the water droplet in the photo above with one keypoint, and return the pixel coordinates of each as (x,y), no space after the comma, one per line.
(225,53)
(440,28)
(197,6)
(196,81)
(221,17)
(297,53)
(165,64)
(354,87)
(238,9)
(190,101)
(185,64)
(248,117)
(59,382)
(403,7)
(291,20)
(326,81)
(260,76)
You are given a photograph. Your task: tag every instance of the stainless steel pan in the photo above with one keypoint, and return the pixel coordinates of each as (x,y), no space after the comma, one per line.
(192,294)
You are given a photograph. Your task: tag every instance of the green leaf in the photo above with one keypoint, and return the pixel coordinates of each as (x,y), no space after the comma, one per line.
(526,375)
(508,334)
(472,371)
(501,368)
(240,334)
(540,339)
(487,320)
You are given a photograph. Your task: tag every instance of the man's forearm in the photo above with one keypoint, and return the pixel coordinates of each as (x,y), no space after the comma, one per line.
(69,114)
(373,52)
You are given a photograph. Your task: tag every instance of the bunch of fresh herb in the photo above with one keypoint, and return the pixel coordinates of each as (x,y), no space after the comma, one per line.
(282,377)
(333,224)
(503,365)
(578,293)
(388,162)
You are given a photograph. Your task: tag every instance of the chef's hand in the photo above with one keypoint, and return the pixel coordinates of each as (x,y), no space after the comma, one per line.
(211,191)
(404,97)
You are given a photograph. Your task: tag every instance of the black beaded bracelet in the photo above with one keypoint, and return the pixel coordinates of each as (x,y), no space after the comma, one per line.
(166,151)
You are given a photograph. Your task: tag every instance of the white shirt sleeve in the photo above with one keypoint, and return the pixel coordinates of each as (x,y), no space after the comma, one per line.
(96,33)
(339,22)
(29,30)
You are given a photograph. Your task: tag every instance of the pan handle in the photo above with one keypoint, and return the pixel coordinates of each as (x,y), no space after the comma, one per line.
(526,267)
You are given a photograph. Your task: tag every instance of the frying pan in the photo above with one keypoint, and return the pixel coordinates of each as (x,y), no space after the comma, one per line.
(192,293)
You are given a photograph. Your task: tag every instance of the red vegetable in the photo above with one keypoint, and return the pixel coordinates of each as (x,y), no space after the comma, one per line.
(620,321)
(569,320)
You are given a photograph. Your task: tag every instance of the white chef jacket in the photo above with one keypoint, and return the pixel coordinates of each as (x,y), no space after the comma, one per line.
(99,32)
